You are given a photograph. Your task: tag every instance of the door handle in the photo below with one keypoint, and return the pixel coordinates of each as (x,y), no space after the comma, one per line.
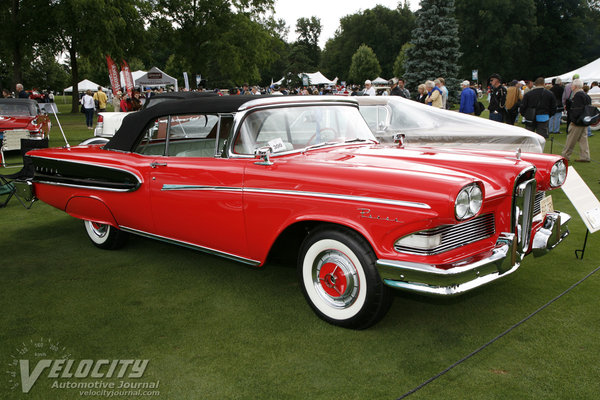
(158,164)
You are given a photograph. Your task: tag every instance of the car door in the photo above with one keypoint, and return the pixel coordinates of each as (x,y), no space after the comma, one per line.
(195,195)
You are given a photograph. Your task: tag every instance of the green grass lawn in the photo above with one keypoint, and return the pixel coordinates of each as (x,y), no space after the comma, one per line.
(215,329)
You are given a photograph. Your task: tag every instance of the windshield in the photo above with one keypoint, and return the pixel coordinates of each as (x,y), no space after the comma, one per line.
(296,128)
(16,110)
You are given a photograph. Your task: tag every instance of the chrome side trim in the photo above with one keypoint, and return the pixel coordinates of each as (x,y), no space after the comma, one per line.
(83,186)
(168,187)
(340,197)
(192,246)
(300,193)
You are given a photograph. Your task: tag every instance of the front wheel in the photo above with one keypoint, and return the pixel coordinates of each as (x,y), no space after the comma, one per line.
(105,236)
(339,279)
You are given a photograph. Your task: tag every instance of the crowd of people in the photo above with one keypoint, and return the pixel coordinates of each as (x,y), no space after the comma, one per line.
(541,107)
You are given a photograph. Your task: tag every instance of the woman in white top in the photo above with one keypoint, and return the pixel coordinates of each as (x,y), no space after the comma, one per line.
(87,101)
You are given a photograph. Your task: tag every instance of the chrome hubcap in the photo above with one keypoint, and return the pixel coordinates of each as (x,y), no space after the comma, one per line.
(100,230)
(335,278)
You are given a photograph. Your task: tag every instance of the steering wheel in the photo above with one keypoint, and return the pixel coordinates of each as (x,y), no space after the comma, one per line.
(313,137)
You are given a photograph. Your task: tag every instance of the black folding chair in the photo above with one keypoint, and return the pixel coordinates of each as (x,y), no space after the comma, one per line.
(7,186)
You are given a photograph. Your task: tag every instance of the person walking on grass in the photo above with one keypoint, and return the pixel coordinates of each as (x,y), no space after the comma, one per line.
(577,133)
(87,101)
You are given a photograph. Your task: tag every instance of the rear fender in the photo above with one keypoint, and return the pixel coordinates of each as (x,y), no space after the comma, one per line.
(92,209)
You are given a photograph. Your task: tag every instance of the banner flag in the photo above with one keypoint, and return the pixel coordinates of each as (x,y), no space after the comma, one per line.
(113,75)
(186,80)
(128,78)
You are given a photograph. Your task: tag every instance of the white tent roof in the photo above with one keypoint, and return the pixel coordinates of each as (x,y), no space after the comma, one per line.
(588,73)
(84,85)
(135,74)
(379,81)
(317,78)
(155,77)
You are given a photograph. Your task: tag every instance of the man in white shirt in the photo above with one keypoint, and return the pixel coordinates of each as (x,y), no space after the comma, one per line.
(369,89)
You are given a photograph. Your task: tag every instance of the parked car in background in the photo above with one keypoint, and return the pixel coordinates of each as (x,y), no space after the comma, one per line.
(303,176)
(21,114)
(109,122)
(423,125)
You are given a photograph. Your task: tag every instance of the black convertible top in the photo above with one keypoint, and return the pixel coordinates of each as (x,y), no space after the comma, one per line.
(134,124)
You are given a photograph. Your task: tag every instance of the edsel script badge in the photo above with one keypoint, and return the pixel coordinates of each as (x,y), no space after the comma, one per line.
(366,213)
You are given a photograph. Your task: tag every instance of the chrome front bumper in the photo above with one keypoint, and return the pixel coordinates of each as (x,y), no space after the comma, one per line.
(468,275)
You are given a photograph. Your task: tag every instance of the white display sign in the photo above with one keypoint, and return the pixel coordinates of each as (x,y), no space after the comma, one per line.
(584,200)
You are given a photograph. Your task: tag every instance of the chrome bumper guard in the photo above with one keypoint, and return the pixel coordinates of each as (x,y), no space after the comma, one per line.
(552,232)
(504,260)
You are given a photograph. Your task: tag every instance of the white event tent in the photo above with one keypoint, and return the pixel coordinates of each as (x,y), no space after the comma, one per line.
(317,78)
(155,77)
(84,85)
(135,75)
(380,81)
(588,73)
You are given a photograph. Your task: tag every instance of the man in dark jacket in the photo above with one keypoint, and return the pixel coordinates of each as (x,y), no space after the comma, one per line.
(497,105)
(578,133)
(538,105)
(557,89)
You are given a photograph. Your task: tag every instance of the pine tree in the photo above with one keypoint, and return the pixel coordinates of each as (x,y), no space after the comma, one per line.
(435,51)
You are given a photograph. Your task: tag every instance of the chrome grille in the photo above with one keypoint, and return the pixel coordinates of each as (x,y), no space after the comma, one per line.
(454,236)
(536,203)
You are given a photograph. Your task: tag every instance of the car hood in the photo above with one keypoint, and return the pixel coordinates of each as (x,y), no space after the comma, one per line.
(14,122)
(423,175)
(496,172)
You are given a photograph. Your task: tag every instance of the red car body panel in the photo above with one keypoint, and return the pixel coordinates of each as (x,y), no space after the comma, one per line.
(246,222)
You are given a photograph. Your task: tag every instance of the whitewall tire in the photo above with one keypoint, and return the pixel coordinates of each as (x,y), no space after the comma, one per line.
(104,236)
(339,279)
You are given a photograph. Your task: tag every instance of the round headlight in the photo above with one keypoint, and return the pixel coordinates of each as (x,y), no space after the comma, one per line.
(558,174)
(468,202)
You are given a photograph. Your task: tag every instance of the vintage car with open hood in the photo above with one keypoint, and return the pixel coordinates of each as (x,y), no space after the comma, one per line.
(245,178)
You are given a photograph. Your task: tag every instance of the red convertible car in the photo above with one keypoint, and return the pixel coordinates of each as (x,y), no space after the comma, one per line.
(20,114)
(243,178)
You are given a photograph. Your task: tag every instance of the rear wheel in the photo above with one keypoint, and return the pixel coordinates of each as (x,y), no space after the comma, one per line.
(339,279)
(105,236)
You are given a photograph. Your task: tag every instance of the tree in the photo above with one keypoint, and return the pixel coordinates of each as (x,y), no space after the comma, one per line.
(364,65)
(224,41)
(435,49)
(497,37)
(20,35)
(380,28)
(112,33)
(399,63)
(309,31)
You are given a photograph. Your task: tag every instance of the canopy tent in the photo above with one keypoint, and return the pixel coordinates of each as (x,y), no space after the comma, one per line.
(85,85)
(317,78)
(135,74)
(588,73)
(155,77)
(379,81)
